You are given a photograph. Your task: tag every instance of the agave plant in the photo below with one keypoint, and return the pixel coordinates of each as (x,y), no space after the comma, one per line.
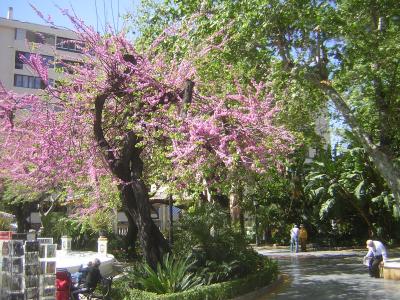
(173,275)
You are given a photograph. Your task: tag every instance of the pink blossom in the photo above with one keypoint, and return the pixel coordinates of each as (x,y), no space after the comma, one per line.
(48,140)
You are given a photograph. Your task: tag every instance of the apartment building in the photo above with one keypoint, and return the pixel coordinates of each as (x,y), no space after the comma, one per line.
(17,39)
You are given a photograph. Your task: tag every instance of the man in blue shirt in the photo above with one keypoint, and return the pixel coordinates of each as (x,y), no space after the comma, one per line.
(377,254)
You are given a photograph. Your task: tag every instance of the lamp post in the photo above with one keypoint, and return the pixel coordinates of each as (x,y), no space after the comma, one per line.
(171,221)
(256,205)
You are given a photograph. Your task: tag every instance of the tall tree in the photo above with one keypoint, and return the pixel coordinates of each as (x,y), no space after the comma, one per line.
(109,115)
(344,51)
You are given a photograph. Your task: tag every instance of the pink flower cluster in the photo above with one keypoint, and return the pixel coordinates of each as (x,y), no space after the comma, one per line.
(48,139)
(237,130)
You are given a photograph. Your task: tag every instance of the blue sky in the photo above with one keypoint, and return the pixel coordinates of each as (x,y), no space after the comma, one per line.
(107,11)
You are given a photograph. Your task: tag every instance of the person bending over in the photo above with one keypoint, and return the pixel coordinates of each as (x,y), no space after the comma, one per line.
(378,256)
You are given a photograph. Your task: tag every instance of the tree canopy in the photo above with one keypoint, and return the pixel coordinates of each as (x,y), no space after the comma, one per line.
(109,115)
(314,53)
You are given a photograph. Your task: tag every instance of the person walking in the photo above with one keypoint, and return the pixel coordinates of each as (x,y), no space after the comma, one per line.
(377,255)
(303,238)
(294,239)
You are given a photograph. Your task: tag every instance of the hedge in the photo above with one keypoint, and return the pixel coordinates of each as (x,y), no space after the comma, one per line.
(217,291)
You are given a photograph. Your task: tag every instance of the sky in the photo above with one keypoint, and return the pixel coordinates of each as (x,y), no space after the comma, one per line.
(107,11)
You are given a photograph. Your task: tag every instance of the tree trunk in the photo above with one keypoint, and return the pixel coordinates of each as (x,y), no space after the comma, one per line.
(131,236)
(128,167)
(241,220)
(234,207)
(381,160)
(20,215)
(152,242)
(352,200)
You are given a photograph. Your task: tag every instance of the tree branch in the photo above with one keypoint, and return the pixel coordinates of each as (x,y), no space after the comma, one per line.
(187,96)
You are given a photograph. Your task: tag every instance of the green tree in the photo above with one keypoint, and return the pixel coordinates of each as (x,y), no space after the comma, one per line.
(314,52)
(20,201)
(346,186)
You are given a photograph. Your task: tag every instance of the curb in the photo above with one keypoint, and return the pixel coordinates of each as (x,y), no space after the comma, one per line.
(264,290)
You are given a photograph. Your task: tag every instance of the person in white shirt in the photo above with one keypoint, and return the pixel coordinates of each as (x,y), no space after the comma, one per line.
(377,254)
(294,239)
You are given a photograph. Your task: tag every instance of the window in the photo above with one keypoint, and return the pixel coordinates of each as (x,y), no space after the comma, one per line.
(34,37)
(40,37)
(68,45)
(25,81)
(18,80)
(20,34)
(38,83)
(49,60)
(30,82)
(19,63)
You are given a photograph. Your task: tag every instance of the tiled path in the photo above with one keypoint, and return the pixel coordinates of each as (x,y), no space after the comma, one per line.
(328,275)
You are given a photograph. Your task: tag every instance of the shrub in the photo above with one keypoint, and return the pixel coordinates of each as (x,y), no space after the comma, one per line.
(206,233)
(217,291)
(4,224)
(214,272)
(173,275)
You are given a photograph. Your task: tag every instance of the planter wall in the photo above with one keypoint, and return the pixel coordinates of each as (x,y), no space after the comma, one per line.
(217,291)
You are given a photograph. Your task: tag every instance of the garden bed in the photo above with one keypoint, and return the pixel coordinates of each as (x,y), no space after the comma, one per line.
(217,291)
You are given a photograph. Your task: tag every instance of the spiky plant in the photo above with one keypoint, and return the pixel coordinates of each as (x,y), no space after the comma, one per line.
(173,275)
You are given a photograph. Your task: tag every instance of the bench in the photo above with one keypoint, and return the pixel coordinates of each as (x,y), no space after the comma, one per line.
(391,269)
(102,291)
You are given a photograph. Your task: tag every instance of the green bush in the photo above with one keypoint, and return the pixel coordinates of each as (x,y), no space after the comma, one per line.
(222,258)
(207,234)
(217,291)
(4,224)
(121,247)
(214,272)
(58,224)
(173,275)
(84,230)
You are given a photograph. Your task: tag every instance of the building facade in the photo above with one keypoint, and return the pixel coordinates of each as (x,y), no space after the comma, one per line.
(21,39)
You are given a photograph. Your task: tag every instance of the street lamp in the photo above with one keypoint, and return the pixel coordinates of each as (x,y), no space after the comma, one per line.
(171,221)
(256,205)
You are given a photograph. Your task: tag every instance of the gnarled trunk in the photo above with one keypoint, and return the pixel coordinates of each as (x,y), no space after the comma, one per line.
(131,236)
(152,242)
(128,168)
(21,215)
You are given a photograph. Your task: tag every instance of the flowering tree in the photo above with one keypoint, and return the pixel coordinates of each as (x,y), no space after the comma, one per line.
(116,108)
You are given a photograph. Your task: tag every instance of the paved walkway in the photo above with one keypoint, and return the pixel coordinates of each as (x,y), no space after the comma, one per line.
(328,275)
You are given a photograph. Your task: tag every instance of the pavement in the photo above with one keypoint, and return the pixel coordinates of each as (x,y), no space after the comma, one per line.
(282,251)
(330,274)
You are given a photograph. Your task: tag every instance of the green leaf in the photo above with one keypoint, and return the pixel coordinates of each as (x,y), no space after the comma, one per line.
(326,207)
(359,190)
